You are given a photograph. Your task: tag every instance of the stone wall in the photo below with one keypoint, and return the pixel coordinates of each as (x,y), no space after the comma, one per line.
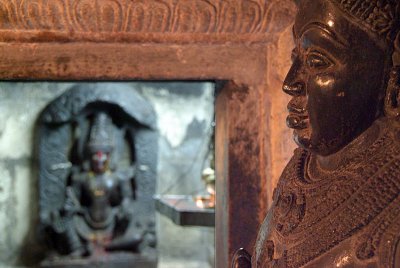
(185,112)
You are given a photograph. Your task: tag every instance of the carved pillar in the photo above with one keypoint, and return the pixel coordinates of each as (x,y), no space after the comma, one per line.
(241,182)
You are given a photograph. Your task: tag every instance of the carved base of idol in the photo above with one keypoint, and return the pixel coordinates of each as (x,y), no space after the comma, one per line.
(345,217)
(116,260)
(95,205)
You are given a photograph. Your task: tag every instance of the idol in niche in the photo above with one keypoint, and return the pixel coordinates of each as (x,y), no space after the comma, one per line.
(337,203)
(95,206)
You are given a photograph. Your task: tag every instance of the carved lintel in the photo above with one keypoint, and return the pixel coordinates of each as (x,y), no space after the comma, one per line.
(140,21)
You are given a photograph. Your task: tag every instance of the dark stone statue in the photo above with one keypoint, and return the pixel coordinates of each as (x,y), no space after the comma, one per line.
(96,207)
(93,199)
(337,203)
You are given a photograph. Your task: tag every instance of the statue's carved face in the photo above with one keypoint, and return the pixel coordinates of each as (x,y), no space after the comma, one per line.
(99,162)
(337,78)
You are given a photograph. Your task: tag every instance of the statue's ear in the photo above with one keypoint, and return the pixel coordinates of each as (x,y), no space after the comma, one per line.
(392,98)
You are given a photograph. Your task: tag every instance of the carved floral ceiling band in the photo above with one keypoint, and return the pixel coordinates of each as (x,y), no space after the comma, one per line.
(140,20)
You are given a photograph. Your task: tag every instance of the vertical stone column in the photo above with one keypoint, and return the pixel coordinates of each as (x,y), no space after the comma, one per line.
(253,143)
(241,183)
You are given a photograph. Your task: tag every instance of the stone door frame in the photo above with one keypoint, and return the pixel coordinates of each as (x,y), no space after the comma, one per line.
(213,40)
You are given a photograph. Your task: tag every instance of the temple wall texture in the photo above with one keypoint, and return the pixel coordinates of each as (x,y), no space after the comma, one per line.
(185,112)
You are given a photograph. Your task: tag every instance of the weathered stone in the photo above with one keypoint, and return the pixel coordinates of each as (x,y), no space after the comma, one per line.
(19,105)
(25,209)
(174,107)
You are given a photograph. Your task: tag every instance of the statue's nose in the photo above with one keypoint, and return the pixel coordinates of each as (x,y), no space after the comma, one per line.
(293,84)
(295,89)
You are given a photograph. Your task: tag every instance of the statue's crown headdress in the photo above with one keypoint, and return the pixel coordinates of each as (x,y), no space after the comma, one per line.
(380,16)
(101,134)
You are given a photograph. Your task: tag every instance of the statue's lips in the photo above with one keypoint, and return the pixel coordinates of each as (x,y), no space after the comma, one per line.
(297,122)
(298,116)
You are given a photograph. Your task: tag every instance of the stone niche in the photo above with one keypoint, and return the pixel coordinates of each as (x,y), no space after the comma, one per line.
(97,153)
(169,150)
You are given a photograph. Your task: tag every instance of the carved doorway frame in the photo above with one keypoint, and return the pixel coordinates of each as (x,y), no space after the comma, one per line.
(219,40)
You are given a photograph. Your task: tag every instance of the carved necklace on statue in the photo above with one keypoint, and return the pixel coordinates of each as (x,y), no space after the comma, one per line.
(316,209)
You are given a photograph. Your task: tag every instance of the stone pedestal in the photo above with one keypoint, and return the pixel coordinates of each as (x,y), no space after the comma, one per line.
(117,260)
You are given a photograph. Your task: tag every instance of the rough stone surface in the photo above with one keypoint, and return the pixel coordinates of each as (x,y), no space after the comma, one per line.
(183,148)
(182,156)
(19,105)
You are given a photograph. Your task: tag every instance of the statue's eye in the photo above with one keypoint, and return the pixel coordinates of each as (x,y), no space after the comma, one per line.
(317,61)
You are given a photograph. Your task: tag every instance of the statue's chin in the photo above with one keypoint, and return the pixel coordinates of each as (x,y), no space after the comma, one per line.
(302,138)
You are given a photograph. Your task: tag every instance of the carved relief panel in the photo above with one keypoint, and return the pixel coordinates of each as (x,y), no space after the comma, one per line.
(97,153)
(122,20)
